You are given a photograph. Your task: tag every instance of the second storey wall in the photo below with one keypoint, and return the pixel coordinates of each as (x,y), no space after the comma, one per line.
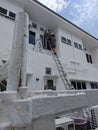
(7,28)
(69,53)
(74,58)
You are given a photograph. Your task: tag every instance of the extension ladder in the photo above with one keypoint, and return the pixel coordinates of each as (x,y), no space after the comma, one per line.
(63,75)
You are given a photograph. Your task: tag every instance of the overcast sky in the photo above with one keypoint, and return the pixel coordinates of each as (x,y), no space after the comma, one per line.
(83,13)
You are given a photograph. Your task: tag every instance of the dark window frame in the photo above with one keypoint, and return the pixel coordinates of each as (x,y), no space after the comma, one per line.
(66,40)
(78,46)
(48,70)
(12,15)
(79,85)
(3,11)
(32,36)
(34,25)
(89,58)
(50,85)
(94,85)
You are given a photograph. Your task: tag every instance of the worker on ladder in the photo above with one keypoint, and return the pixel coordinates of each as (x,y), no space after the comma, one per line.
(50,39)
(53,42)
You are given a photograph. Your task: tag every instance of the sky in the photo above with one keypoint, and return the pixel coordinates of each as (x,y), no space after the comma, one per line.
(83,13)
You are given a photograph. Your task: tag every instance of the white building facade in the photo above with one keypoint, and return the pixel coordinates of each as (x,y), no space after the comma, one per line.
(77,50)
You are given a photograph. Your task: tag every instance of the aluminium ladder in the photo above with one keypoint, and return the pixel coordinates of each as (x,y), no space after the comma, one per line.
(63,75)
(93,120)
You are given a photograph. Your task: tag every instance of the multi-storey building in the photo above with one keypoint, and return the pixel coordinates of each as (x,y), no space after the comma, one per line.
(77,49)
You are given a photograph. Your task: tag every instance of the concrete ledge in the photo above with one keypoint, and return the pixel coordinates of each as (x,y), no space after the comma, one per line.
(6,99)
(21,113)
(57,104)
(91,95)
(24,111)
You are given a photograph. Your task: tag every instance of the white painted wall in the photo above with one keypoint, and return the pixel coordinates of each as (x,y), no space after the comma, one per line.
(6,34)
(11,6)
(73,60)
(36,65)
(7,28)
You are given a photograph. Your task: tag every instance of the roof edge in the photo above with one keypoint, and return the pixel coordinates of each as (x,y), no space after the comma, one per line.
(65,19)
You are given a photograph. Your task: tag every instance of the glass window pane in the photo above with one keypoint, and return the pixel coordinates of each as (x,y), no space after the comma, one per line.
(75,45)
(80,47)
(92,85)
(68,41)
(78,85)
(12,15)
(83,85)
(95,85)
(74,84)
(87,57)
(63,39)
(31,37)
(90,59)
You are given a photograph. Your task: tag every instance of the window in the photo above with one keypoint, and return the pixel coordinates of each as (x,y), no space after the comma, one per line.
(77,45)
(80,47)
(32,37)
(3,11)
(34,25)
(48,70)
(12,15)
(68,41)
(89,58)
(94,85)
(78,85)
(74,84)
(65,40)
(83,85)
(49,85)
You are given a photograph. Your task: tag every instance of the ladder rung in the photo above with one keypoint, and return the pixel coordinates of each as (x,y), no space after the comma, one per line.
(62,72)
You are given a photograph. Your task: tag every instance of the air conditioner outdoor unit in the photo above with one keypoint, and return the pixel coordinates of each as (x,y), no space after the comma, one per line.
(64,124)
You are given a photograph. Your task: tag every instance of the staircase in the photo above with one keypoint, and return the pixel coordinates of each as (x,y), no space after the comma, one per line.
(3,75)
(4,71)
